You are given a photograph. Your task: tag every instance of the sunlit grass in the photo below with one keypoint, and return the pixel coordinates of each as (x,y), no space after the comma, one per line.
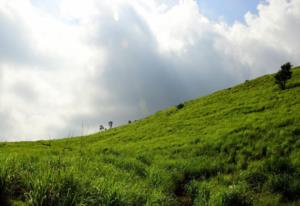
(240,145)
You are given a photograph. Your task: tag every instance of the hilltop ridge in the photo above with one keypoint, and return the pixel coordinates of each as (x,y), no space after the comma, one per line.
(237,146)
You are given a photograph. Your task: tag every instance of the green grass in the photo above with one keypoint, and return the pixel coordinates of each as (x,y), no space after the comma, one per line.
(238,146)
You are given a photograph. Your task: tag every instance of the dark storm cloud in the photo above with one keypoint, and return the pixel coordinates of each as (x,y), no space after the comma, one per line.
(135,74)
(203,69)
(140,80)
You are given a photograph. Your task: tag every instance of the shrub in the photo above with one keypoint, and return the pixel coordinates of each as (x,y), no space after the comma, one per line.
(283,75)
(180,106)
(110,124)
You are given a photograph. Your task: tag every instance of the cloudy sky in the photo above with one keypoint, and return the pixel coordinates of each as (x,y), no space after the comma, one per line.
(67,66)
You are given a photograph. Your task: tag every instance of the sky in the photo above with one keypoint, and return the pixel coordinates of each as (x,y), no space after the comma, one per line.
(228,10)
(67,66)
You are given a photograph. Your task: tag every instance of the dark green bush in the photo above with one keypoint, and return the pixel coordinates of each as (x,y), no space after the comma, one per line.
(283,75)
(180,106)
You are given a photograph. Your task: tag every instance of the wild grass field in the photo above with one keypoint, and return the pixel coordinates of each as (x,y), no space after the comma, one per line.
(238,146)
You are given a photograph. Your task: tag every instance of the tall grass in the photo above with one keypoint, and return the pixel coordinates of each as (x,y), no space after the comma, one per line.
(238,146)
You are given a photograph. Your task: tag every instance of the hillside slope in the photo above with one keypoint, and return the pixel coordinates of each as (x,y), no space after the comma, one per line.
(238,146)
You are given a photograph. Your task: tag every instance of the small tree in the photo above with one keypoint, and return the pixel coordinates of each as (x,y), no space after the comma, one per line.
(283,75)
(180,106)
(110,124)
(101,127)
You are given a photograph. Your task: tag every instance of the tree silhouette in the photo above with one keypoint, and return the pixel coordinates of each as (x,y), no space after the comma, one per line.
(110,124)
(101,127)
(180,106)
(283,75)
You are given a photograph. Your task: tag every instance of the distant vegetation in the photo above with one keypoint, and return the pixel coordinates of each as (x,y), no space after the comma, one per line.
(235,147)
(180,106)
(283,75)
(110,124)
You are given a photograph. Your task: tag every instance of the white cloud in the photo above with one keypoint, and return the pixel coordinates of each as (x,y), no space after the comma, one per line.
(267,39)
(94,61)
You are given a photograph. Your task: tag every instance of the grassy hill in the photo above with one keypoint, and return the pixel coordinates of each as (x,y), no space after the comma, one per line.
(238,146)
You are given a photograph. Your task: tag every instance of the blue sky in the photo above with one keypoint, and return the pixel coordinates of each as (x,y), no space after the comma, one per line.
(230,10)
